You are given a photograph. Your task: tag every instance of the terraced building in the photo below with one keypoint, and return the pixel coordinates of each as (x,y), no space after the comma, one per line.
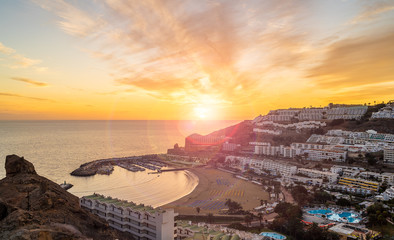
(143,222)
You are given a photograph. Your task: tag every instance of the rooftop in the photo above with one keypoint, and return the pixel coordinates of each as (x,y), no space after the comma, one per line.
(120,203)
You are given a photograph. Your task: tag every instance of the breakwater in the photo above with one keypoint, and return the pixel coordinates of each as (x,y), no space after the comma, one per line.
(133,163)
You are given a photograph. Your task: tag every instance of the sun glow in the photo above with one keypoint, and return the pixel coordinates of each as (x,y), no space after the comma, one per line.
(201,112)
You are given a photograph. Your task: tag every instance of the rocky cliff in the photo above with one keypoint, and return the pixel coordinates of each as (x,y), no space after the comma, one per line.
(33,207)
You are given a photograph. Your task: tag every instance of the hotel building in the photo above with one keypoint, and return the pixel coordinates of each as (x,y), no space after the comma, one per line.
(143,222)
(325,154)
(359,183)
(283,168)
(388,155)
(331,177)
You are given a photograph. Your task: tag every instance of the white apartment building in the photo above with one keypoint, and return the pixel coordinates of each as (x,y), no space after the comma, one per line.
(281,150)
(325,154)
(278,118)
(283,168)
(388,155)
(331,177)
(143,222)
(306,180)
(355,112)
(316,138)
(388,178)
(298,125)
(388,194)
(267,131)
(385,112)
(308,145)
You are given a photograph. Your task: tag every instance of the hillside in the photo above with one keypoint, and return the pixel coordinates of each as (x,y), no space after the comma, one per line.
(33,207)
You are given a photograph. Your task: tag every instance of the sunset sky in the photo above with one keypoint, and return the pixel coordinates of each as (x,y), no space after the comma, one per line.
(179,59)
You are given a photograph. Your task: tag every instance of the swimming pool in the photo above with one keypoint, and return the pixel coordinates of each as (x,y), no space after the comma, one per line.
(349,217)
(273,235)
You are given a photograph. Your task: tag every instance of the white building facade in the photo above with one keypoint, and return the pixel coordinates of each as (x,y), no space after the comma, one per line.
(143,222)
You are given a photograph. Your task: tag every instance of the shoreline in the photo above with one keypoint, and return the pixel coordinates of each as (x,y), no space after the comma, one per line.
(208,185)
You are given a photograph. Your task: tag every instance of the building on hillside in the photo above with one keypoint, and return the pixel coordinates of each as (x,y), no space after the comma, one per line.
(388,194)
(267,131)
(143,222)
(230,147)
(281,150)
(348,189)
(277,167)
(325,154)
(355,112)
(204,231)
(197,142)
(294,179)
(388,178)
(385,112)
(308,146)
(349,231)
(359,183)
(331,177)
(388,155)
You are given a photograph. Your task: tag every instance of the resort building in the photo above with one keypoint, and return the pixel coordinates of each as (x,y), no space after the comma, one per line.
(388,178)
(349,189)
(326,154)
(355,112)
(349,231)
(230,147)
(359,183)
(203,231)
(298,125)
(277,167)
(281,150)
(385,112)
(197,142)
(267,131)
(294,179)
(278,118)
(143,222)
(331,177)
(388,194)
(308,146)
(323,139)
(388,155)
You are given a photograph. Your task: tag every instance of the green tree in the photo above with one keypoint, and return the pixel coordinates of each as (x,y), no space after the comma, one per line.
(198,210)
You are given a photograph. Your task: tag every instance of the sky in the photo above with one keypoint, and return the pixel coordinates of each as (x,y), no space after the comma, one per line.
(187,59)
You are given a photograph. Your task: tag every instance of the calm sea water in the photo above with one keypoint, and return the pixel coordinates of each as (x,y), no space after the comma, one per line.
(58,147)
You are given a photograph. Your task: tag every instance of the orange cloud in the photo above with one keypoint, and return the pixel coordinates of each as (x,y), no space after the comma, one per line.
(26,80)
(2,94)
(356,61)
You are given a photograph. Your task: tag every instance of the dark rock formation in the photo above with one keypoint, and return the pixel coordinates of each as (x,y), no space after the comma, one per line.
(33,207)
(16,165)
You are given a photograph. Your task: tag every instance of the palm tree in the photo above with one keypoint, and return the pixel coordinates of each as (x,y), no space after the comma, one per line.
(260,215)
(210,218)
(248,220)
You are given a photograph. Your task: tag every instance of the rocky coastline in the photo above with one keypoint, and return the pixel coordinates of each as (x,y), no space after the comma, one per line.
(33,207)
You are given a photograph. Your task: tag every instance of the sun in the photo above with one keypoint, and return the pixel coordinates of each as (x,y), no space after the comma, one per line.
(201,112)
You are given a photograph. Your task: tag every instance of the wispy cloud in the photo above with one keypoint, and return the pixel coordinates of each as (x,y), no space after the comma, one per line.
(6,50)
(30,81)
(226,52)
(191,51)
(373,11)
(2,94)
(17,60)
(356,61)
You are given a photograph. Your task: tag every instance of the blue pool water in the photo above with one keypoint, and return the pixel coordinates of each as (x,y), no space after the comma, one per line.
(339,217)
(320,211)
(273,235)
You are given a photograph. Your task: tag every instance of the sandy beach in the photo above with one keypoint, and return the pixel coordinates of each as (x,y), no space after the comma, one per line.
(214,188)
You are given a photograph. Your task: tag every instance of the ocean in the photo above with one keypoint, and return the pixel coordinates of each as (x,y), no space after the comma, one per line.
(58,147)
